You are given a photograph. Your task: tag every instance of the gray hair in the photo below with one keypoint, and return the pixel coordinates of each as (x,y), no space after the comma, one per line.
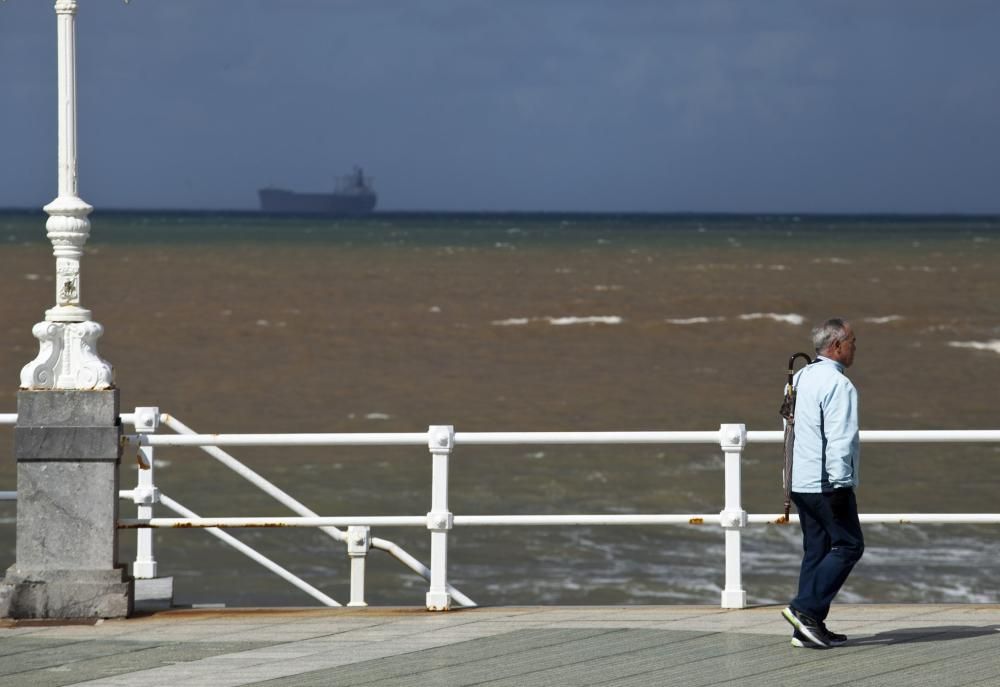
(829,333)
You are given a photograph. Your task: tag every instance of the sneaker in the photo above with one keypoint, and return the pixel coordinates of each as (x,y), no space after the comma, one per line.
(835,638)
(800,641)
(809,627)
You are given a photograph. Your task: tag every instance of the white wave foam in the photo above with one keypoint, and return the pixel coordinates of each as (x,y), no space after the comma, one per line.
(377,416)
(559,321)
(833,261)
(952,590)
(883,320)
(790,318)
(993,345)
(32,277)
(694,320)
(594,319)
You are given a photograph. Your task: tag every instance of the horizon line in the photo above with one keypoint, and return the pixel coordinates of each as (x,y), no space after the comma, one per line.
(589,213)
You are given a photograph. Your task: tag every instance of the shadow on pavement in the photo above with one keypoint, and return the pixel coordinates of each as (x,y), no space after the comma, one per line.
(914,635)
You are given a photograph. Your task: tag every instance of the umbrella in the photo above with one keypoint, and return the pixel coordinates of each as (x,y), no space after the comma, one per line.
(788,412)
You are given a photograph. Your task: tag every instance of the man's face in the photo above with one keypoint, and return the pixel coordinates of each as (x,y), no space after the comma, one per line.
(843,350)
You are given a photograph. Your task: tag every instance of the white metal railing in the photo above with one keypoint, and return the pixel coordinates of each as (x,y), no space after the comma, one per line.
(146,494)
(441,441)
(359,541)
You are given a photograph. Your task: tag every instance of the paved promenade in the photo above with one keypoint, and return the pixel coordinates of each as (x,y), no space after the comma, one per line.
(939,645)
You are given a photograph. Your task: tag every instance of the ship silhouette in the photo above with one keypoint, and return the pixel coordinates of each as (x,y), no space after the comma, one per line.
(354,194)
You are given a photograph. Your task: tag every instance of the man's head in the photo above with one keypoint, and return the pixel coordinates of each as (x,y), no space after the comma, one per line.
(834,339)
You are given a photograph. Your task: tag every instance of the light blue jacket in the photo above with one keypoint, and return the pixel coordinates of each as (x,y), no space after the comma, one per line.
(827,451)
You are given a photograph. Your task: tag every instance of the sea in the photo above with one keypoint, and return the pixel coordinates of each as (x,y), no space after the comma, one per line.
(238,322)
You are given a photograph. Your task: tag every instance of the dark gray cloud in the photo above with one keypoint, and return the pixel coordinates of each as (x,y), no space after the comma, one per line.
(554,105)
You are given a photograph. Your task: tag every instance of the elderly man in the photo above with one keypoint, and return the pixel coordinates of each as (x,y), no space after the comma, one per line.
(824,476)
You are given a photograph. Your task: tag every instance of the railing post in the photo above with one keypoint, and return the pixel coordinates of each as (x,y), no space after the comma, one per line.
(733,439)
(147,421)
(441,442)
(359,541)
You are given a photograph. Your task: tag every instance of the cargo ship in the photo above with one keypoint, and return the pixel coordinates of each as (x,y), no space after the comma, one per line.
(353,195)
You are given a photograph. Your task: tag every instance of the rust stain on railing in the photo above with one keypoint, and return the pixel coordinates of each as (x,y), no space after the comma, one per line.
(191,525)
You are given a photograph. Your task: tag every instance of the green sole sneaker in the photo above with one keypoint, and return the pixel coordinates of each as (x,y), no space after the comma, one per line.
(800,642)
(805,626)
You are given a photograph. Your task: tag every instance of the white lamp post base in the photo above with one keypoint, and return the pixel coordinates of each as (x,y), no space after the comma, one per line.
(68,358)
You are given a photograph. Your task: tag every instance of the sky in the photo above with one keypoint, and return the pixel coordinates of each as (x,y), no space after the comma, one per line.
(515,105)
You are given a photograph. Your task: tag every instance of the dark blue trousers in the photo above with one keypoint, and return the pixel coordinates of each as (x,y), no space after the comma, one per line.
(832,543)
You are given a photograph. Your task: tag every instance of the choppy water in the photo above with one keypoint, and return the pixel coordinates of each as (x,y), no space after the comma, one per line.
(521,322)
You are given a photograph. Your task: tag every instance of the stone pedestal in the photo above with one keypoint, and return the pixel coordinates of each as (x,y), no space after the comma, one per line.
(68,449)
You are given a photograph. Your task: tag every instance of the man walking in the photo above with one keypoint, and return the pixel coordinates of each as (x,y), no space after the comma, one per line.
(824,476)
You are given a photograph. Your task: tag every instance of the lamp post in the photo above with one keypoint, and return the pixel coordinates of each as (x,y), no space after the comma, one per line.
(68,435)
(68,357)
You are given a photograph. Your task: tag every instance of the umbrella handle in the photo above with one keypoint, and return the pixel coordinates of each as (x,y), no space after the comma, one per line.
(791,364)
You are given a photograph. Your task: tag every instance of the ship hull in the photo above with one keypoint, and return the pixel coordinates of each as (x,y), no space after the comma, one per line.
(277,201)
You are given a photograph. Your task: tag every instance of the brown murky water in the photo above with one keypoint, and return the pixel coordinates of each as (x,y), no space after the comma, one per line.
(390,326)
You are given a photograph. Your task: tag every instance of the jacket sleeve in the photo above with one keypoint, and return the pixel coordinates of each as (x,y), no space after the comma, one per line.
(840,424)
